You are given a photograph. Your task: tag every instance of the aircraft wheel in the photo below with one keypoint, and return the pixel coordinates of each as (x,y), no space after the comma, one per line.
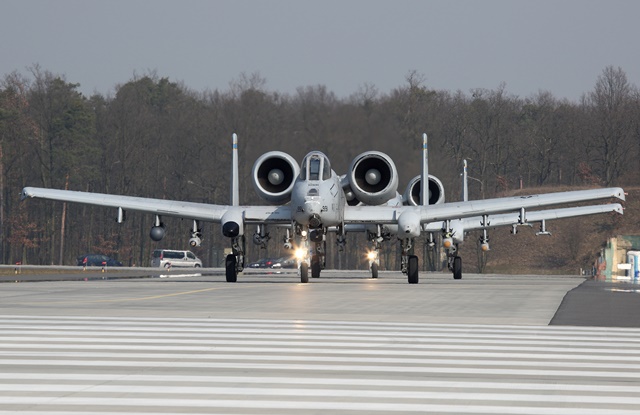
(457,268)
(230,268)
(315,267)
(374,270)
(304,273)
(412,269)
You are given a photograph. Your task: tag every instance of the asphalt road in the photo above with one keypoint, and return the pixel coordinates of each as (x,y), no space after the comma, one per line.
(478,298)
(486,299)
(600,303)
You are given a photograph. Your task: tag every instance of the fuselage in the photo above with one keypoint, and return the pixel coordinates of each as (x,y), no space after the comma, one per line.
(317,199)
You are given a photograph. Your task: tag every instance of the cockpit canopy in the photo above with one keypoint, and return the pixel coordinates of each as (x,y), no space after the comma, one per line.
(315,166)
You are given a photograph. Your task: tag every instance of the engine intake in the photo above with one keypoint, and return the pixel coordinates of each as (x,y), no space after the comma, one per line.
(274,174)
(412,193)
(373,178)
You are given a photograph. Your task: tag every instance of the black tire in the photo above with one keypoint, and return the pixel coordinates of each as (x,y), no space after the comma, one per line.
(457,268)
(230,268)
(412,269)
(374,270)
(304,273)
(197,266)
(315,267)
(167,265)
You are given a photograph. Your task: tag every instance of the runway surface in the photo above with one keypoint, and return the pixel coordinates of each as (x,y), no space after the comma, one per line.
(341,344)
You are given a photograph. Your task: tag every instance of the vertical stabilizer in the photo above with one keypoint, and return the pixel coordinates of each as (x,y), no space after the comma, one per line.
(424,180)
(465,187)
(235,190)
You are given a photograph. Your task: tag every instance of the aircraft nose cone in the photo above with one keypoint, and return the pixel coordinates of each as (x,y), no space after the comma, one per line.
(312,208)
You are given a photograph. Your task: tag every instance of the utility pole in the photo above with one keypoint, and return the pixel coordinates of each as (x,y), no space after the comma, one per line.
(64,217)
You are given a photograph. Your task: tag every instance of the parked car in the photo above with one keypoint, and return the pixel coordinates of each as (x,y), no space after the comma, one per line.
(261,263)
(283,262)
(97,260)
(166,258)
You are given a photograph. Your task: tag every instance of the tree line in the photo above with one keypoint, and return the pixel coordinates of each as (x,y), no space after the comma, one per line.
(155,138)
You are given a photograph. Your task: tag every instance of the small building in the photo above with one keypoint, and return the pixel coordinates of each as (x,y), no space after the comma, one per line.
(622,249)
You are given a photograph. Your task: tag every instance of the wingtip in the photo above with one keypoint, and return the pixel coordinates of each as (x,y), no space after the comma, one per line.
(25,193)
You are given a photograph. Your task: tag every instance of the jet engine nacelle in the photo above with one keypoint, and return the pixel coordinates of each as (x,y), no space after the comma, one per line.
(274,174)
(373,178)
(412,193)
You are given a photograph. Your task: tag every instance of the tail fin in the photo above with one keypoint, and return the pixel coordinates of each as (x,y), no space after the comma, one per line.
(235,190)
(465,187)
(424,180)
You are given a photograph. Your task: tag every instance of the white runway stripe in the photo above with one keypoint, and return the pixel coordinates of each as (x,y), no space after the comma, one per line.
(156,351)
(205,359)
(56,365)
(334,393)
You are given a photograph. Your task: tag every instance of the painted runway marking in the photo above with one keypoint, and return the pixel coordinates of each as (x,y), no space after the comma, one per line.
(56,365)
(124,300)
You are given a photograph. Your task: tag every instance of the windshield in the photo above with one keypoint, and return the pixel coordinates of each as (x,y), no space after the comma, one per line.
(315,166)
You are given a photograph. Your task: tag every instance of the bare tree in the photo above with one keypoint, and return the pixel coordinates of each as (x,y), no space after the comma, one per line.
(609,107)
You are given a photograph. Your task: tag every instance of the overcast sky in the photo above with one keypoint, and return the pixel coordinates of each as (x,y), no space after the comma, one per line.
(559,46)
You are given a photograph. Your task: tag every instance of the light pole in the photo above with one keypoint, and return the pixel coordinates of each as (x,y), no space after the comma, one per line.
(207,190)
(481,185)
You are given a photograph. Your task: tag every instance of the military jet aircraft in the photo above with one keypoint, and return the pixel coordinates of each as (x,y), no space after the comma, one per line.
(311,201)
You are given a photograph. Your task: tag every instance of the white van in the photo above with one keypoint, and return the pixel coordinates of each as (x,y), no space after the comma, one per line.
(168,258)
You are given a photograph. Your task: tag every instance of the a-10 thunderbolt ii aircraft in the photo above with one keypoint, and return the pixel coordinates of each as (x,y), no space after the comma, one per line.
(312,201)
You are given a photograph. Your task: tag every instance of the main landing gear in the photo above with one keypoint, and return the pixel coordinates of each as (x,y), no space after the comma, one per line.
(454,263)
(234,262)
(409,263)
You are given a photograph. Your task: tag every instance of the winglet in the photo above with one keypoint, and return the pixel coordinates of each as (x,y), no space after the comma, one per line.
(424,180)
(235,190)
(465,182)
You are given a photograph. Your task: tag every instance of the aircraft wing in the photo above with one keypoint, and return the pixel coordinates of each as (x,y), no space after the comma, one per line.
(163,207)
(507,219)
(460,210)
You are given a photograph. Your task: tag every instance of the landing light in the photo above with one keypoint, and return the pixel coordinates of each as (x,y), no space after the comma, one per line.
(371,255)
(300,253)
